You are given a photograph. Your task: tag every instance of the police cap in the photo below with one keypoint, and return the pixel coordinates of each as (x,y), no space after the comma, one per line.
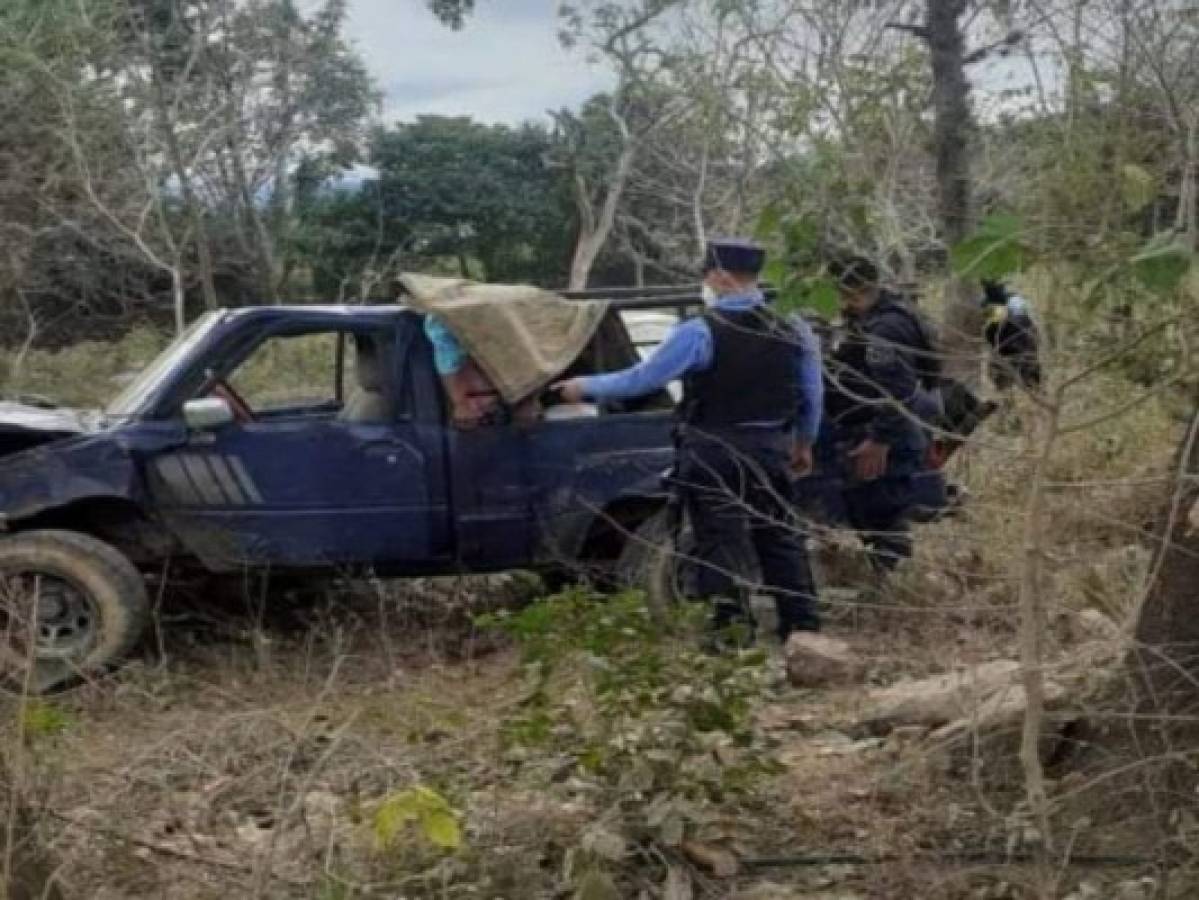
(734,255)
(994,292)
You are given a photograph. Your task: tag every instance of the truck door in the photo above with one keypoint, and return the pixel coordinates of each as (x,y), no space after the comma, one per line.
(493,514)
(326,462)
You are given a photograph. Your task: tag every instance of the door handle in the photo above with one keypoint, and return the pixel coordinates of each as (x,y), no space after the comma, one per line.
(391,449)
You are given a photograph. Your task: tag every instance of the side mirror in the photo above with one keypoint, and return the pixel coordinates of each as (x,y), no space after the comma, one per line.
(207,413)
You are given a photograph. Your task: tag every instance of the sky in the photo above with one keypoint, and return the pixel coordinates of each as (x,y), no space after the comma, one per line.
(506,65)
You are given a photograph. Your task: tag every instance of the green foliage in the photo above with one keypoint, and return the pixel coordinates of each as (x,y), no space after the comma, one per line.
(453,187)
(1138,187)
(663,727)
(997,249)
(341,236)
(333,888)
(596,884)
(1162,263)
(795,266)
(423,807)
(42,719)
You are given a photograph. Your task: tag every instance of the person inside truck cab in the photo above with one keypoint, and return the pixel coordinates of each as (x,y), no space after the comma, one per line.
(369,402)
(474,401)
(749,416)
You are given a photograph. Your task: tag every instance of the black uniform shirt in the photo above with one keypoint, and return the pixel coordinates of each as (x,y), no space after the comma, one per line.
(874,373)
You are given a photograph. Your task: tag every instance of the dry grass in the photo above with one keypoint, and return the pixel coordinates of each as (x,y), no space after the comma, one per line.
(216,769)
(84,375)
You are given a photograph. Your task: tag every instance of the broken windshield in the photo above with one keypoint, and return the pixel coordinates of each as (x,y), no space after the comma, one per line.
(130,400)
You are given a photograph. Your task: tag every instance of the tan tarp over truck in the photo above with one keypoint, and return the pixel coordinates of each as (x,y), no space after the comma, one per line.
(521,337)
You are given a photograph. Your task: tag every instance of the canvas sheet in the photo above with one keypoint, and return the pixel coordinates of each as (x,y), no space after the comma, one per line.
(522,337)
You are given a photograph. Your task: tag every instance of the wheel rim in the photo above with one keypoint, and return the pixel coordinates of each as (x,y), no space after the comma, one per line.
(47,618)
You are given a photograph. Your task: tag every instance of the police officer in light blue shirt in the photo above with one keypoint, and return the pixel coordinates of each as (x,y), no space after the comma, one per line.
(750,413)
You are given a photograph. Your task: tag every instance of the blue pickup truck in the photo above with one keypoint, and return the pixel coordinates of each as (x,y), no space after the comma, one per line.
(212,460)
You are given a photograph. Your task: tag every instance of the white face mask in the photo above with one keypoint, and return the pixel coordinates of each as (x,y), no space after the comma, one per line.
(709,294)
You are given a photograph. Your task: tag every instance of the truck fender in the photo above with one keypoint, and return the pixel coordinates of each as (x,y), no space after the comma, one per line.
(610,528)
(64,473)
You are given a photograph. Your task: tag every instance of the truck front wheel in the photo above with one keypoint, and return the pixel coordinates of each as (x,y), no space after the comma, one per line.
(70,605)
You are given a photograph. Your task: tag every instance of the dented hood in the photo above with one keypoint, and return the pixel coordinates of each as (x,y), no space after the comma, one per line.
(24,426)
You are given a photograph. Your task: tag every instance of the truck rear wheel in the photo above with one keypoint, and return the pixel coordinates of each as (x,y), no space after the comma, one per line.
(70,605)
(654,559)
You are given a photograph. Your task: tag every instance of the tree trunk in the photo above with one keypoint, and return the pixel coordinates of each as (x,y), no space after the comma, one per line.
(1187,221)
(953,126)
(697,203)
(191,203)
(1166,658)
(178,299)
(16,277)
(953,123)
(592,239)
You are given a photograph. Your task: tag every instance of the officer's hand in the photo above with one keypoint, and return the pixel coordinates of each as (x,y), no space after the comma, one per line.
(870,459)
(570,390)
(801,458)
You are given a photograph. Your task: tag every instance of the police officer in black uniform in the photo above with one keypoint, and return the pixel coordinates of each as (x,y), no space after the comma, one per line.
(873,413)
(748,380)
(1013,338)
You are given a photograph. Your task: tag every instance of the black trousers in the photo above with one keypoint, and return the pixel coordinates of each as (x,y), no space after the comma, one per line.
(878,511)
(737,492)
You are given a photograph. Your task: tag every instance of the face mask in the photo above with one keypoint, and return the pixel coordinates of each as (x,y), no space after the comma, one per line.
(709,294)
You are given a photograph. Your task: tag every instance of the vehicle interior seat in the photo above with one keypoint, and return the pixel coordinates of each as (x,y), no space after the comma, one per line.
(369,402)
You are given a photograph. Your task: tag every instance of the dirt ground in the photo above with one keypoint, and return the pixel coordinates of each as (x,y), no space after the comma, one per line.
(241,757)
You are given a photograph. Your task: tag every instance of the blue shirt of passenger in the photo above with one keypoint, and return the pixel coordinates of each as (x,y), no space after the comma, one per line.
(448,355)
(689,348)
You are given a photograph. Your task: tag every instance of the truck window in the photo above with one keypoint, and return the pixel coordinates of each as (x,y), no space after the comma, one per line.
(614,347)
(299,373)
(342,373)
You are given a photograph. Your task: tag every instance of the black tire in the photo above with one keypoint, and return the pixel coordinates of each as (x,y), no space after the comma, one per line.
(650,560)
(99,610)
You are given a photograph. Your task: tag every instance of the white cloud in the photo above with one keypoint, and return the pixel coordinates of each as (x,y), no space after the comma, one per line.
(506,65)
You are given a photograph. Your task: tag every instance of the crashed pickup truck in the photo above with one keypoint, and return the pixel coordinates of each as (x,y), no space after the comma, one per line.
(311,440)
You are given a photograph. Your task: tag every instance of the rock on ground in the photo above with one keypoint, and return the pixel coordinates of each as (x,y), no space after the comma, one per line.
(817,660)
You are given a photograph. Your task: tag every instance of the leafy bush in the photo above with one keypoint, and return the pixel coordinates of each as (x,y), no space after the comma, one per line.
(659,730)
(422,807)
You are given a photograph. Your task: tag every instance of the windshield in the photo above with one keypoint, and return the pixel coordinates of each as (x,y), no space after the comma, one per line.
(131,399)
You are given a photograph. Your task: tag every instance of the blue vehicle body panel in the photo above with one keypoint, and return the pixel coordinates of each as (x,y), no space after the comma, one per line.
(74,470)
(81,468)
(307,491)
(581,468)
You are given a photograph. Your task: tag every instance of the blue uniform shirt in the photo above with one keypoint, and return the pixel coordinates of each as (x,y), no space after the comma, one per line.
(689,348)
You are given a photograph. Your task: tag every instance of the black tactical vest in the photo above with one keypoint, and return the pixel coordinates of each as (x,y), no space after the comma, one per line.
(753,376)
(851,392)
